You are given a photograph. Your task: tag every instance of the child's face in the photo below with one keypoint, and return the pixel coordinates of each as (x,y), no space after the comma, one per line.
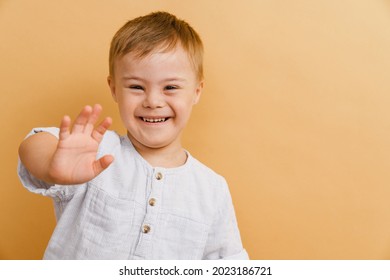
(155,95)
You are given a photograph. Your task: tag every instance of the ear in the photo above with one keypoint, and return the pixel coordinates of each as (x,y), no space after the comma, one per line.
(198,92)
(111,84)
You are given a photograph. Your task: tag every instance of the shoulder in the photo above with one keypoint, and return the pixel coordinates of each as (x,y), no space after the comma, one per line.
(110,141)
(111,137)
(202,171)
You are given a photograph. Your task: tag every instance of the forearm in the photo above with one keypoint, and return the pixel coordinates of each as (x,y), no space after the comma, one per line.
(36,152)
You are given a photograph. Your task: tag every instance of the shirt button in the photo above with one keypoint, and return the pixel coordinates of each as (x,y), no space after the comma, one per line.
(145,229)
(152,201)
(159,176)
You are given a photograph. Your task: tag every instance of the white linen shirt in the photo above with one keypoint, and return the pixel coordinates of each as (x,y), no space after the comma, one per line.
(135,211)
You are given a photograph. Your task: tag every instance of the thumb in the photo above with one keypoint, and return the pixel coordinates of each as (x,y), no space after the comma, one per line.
(102,163)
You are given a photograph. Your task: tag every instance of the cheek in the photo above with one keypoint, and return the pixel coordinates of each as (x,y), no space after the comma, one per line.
(127,101)
(184,108)
(126,109)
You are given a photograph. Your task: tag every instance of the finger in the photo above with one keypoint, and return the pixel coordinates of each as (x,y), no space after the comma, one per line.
(102,163)
(96,110)
(99,131)
(65,127)
(82,119)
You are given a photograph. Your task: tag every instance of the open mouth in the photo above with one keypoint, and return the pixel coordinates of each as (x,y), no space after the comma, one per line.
(154,120)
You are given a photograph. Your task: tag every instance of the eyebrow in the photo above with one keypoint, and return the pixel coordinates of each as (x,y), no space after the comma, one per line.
(132,78)
(173,79)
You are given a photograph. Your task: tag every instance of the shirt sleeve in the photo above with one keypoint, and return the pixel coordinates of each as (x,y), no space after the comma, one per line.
(32,183)
(224,241)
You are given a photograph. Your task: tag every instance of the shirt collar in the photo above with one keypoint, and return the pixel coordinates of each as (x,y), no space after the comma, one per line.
(153,169)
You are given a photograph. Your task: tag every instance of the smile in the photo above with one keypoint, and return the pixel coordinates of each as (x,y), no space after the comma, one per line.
(152,120)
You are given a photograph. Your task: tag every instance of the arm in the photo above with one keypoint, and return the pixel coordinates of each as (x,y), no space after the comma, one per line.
(72,158)
(36,152)
(224,241)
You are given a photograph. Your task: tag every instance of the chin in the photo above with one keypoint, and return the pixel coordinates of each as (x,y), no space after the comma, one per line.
(154,142)
(150,144)
(155,145)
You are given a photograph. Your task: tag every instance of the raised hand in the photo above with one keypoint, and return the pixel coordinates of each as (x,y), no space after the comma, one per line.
(74,161)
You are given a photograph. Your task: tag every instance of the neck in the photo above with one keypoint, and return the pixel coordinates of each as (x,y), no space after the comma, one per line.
(169,156)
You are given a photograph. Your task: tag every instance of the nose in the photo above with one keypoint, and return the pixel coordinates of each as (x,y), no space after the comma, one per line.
(154,99)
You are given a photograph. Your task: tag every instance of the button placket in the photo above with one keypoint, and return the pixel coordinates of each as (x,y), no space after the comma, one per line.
(157,184)
(157,187)
(152,209)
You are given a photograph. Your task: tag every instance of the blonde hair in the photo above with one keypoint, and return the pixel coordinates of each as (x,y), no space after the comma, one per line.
(159,30)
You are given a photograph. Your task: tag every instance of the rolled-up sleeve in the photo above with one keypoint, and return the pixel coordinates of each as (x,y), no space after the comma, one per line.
(224,241)
(32,183)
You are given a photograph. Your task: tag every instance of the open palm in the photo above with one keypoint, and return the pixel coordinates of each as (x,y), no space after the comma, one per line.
(74,161)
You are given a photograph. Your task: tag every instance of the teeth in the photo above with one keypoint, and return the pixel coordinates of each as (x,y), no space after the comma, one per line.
(154,120)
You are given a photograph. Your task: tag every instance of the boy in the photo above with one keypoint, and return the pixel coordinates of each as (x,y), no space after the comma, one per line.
(139,196)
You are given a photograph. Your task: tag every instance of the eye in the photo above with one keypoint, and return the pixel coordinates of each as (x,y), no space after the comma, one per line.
(136,87)
(170,87)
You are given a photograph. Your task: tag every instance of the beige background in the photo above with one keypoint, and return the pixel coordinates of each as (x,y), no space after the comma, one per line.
(295,113)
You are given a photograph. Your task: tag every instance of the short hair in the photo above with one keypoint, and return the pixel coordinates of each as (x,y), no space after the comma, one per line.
(158,30)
